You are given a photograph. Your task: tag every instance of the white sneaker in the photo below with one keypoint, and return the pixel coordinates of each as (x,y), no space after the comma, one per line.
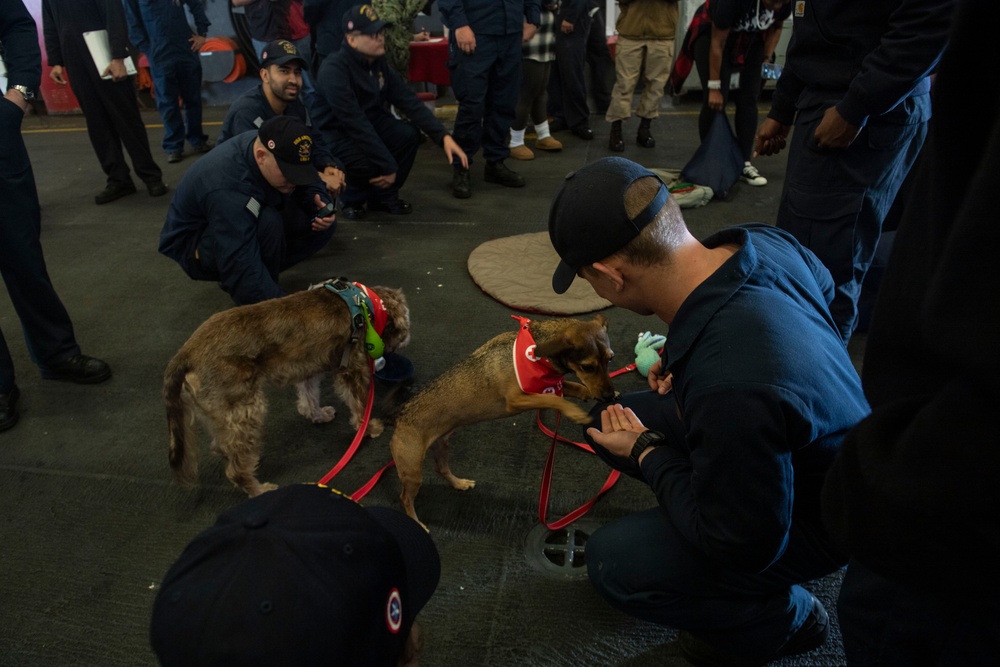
(751,176)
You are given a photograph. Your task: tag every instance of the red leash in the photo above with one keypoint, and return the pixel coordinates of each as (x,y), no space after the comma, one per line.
(360,435)
(356,444)
(546,485)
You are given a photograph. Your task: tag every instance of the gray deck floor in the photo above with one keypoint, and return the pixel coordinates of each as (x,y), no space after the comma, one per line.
(91,520)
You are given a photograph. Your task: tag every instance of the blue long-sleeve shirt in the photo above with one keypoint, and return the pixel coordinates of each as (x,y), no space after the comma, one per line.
(490,17)
(355,92)
(251,109)
(864,57)
(226,191)
(161,30)
(20,42)
(766,390)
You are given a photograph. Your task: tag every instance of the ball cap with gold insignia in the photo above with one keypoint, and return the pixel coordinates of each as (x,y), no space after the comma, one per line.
(364,19)
(291,144)
(301,575)
(280,52)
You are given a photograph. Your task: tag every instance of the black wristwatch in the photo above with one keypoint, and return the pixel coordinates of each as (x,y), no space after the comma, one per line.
(646,439)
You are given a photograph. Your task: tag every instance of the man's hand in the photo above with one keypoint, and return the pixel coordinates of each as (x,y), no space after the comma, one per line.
(834,132)
(17,98)
(661,383)
(528,31)
(197,41)
(422,36)
(715,100)
(383,181)
(620,428)
(466,40)
(566,27)
(451,149)
(319,224)
(116,68)
(333,179)
(56,74)
(771,137)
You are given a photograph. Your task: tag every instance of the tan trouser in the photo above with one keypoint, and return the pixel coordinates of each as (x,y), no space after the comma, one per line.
(629,56)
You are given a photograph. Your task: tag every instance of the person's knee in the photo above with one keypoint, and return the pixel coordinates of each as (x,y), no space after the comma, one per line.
(602,560)
(409,134)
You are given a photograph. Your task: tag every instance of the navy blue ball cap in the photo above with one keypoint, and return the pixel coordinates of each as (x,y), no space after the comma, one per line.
(364,19)
(588,221)
(301,575)
(290,142)
(280,52)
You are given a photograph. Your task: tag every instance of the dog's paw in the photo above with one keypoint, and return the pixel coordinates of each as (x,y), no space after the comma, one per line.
(462,484)
(580,417)
(261,488)
(322,415)
(375,428)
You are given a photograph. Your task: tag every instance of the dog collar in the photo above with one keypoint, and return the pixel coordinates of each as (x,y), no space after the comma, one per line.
(365,306)
(535,375)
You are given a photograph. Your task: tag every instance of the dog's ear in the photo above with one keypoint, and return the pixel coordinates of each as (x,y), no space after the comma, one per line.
(556,346)
(603,321)
(397,327)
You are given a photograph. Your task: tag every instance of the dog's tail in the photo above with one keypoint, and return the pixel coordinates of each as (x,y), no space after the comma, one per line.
(183,450)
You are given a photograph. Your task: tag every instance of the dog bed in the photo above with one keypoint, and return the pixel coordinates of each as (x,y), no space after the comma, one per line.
(517,272)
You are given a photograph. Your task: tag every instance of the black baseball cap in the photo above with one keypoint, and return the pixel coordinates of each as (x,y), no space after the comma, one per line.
(290,142)
(296,576)
(364,19)
(280,52)
(588,222)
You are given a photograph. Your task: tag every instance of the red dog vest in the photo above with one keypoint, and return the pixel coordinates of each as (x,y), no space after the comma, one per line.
(535,375)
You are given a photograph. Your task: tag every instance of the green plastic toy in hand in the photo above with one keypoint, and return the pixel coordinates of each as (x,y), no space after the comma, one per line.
(647,351)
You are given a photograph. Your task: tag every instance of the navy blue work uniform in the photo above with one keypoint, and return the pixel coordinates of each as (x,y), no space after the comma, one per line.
(871,60)
(361,129)
(486,82)
(763,393)
(160,29)
(251,109)
(48,330)
(111,109)
(913,493)
(567,83)
(227,223)
(326,19)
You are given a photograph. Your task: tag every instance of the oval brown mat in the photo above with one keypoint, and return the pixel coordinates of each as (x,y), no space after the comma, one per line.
(517,272)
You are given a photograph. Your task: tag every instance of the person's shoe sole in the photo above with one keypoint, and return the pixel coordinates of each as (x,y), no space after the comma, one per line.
(78,379)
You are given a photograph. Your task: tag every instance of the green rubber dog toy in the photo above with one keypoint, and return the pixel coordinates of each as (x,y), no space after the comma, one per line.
(647,351)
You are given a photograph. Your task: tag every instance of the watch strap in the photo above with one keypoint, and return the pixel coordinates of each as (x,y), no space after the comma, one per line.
(646,439)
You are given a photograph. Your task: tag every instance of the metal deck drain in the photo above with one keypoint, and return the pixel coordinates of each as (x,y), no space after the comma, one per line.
(560,552)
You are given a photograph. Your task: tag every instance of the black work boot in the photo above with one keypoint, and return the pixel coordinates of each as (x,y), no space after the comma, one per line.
(615,142)
(498,172)
(460,183)
(643,137)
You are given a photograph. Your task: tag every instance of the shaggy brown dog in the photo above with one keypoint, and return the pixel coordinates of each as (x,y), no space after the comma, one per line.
(219,373)
(485,386)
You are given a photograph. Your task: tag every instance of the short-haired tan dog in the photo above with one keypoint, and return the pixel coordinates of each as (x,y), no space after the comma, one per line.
(220,372)
(488,385)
